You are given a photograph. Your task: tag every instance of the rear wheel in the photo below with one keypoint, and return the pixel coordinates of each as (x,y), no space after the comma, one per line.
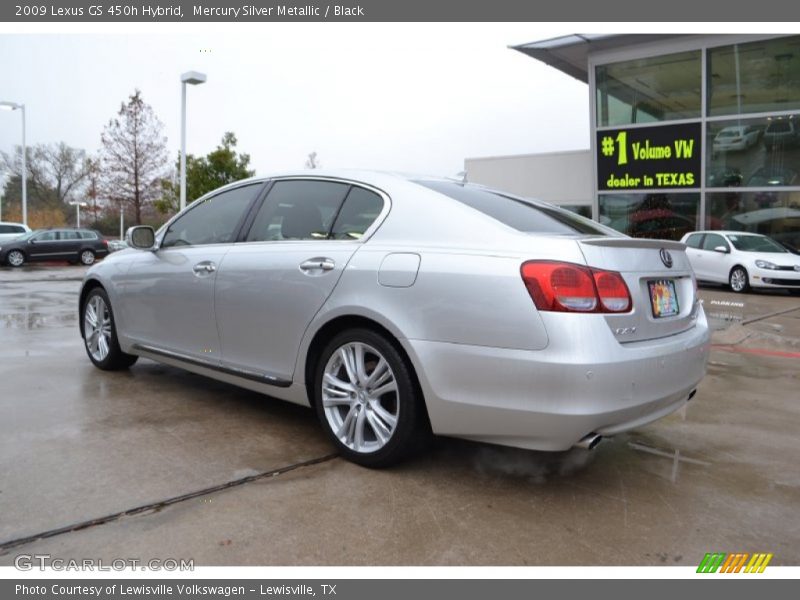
(367,400)
(100,333)
(87,257)
(738,280)
(15,258)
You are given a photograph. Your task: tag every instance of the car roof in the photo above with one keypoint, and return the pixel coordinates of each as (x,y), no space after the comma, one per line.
(378,179)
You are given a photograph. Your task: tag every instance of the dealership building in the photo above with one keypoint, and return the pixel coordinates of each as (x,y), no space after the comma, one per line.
(688,132)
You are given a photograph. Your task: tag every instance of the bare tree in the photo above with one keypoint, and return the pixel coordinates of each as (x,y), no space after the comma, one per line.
(63,167)
(134,156)
(312,162)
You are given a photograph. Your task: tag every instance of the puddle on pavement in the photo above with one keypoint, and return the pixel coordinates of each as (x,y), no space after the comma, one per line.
(37,320)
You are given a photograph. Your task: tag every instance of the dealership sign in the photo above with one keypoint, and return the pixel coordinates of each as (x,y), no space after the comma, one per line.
(645,158)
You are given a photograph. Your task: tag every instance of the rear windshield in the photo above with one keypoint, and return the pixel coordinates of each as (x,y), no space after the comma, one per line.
(515,212)
(755,243)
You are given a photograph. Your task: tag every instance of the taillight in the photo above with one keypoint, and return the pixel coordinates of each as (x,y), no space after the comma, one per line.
(565,287)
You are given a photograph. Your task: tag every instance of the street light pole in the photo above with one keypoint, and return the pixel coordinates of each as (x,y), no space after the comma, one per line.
(78,206)
(192,78)
(21,107)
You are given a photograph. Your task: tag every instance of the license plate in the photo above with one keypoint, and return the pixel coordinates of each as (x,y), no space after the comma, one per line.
(663,298)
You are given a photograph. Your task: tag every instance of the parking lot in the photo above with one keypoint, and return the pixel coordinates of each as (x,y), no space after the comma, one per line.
(80,448)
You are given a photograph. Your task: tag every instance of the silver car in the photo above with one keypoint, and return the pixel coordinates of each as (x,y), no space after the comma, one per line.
(398,306)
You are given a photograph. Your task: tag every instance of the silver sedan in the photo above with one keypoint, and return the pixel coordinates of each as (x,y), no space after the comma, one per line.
(401,306)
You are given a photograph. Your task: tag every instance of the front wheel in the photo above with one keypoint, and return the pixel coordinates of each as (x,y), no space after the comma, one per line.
(15,258)
(87,257)
(738,280)
(100,333)
(367,400)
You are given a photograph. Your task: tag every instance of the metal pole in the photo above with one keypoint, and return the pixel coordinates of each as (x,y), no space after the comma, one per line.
(183,145)
(24,171)
(121,222)
(78,215)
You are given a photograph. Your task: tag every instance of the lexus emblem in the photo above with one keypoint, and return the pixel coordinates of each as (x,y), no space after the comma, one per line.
(666,257)
(797,267)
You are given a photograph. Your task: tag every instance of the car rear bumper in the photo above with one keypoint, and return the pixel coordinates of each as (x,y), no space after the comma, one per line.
(550,399)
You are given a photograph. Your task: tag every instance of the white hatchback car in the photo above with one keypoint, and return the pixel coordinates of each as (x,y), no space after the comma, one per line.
(10,231)
(742,260)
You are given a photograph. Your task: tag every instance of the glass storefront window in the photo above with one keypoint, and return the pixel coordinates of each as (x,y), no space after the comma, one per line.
(775,214)
(649,90)
(656,216)
(754,77)
(762,152)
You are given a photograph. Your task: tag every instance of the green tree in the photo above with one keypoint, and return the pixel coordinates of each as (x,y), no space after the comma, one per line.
(205,173)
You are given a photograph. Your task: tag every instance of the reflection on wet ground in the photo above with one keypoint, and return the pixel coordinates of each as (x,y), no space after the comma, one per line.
(77,443)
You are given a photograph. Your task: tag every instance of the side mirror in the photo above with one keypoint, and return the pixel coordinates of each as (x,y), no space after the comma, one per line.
(141,237)
(721,249)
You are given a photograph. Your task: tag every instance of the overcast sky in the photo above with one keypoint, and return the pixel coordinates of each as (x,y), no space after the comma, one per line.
(411,97)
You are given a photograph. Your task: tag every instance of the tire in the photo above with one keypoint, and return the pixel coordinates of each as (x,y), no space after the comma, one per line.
(15,258)
(87,257)
(100,333)
(393,424)
(738,280)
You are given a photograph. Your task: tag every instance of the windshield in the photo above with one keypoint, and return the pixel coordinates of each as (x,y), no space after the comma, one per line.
(26,236)
(755,243)
(522,215)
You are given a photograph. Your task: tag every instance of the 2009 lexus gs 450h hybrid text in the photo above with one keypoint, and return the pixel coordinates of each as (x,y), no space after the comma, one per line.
(398,306)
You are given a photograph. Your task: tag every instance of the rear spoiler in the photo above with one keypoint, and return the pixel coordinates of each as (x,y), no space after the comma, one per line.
(627,242)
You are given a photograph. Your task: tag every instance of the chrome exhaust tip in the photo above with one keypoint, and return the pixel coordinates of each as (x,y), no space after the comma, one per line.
(588,442)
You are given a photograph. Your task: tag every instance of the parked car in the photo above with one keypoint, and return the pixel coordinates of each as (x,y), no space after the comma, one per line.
(781,133)
(724,177)
(72,245)
(736,137)
(742,260)
(396,306)
(9,231)
(766,176)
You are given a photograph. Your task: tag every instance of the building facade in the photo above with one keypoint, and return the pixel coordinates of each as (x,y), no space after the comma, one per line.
(688,131)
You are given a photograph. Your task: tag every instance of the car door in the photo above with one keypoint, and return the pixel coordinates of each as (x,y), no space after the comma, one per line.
(44,246)
(168,294)
(270,287)
(714,264)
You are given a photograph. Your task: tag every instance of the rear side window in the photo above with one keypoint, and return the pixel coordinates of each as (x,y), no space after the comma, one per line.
(693,241)
(359,212)
(515,212)
(298,210)
(87,235)
(212,221)
(70,235)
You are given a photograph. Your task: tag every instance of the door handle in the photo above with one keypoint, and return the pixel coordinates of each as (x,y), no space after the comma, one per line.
(318,263)
(204,268)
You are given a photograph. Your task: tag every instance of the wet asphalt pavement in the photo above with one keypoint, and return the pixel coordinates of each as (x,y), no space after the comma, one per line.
(78,445)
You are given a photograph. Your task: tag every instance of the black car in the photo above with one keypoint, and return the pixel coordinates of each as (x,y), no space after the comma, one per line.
(72,245)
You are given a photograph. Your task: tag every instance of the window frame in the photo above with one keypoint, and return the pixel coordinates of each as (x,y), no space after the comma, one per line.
(341,180)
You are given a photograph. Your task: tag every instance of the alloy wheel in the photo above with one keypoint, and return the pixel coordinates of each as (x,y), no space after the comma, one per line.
(16,258)
(360,397)
(97,328)
(87,257)
(738,280)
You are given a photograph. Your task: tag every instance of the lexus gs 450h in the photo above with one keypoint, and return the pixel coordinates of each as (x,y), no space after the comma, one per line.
(398,306)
